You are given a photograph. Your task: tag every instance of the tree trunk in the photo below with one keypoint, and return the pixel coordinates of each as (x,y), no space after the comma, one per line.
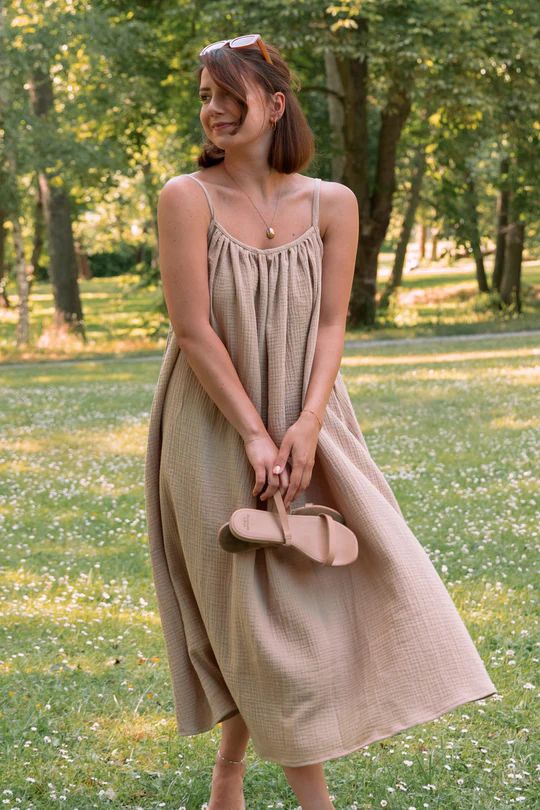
(4,300)
(39,228)
(10,196)
(393,118)
(421,240)
(63,264)
(419,168)
(9,176)
(57,214)
(336,115)
(434,244)
(151,190)
(375,207)
(502,222)
(474,238)
(4,158)
(23,325)
(83,263)
(513,251)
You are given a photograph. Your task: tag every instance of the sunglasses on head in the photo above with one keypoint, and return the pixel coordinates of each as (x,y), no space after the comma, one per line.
(245,41)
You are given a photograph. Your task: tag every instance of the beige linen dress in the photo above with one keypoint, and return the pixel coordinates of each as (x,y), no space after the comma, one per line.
(319,661)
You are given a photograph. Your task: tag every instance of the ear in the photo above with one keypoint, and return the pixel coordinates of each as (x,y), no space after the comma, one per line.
(279,103)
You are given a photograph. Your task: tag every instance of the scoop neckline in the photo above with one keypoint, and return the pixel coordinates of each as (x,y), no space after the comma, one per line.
(254,249)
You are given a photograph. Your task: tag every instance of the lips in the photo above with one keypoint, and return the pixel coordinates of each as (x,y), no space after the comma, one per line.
(221,126)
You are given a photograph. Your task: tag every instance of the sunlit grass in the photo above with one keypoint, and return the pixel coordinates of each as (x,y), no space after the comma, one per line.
(467,356)
(439,300)
(87,713)
(121,317)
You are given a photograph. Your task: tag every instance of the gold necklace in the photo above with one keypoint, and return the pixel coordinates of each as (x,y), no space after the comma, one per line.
(270,232)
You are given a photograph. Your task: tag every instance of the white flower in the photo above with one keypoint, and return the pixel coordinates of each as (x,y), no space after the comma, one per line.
(107,794)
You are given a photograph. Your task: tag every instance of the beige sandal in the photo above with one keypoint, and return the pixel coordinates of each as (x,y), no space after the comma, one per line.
(318,509)
(317,536)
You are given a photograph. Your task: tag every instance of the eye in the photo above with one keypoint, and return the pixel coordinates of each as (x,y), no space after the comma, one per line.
(203,97)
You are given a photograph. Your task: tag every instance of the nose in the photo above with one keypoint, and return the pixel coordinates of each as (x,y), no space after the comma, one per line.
(214,109)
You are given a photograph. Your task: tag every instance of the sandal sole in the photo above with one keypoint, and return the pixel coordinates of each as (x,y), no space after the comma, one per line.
(309,535)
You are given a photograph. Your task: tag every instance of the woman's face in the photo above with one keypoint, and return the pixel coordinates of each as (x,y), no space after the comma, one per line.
(219,107)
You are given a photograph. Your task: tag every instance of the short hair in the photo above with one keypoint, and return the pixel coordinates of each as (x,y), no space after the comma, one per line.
(293,143)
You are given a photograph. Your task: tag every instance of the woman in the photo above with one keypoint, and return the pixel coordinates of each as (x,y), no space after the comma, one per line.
(309,661)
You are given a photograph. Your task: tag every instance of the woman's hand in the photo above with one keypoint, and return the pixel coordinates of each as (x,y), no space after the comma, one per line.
(261,453)
(300,442)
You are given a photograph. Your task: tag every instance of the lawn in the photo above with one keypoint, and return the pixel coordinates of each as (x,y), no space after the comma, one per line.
(87,715)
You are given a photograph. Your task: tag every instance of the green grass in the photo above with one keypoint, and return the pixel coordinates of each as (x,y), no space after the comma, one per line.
(121,317)
(436,300)
(87,713)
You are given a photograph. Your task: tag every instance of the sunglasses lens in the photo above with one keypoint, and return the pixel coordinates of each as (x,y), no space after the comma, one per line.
(248,39)
(214,46)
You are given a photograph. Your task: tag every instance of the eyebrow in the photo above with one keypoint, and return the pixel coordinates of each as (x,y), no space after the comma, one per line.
(204,88)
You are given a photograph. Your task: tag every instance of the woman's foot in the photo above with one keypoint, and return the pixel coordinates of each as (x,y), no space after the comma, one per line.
(227,792)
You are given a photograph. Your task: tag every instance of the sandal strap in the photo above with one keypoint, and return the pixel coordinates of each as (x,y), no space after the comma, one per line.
(330,535)
(287,534)
(283,518)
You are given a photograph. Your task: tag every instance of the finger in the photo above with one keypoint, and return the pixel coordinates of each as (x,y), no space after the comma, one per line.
(294,483)
(260,479)
(273,484)
(282,457)
(284,481)
(306,477)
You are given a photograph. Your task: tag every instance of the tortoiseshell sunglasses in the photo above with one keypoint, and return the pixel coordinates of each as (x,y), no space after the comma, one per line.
(245,41)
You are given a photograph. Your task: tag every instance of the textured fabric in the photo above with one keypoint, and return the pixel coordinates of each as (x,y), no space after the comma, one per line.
(319,661)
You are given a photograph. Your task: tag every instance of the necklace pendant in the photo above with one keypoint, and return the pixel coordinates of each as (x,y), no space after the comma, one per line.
(270,232)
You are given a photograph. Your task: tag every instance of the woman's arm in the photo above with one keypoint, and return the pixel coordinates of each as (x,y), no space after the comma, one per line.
(340,246)
(183,220)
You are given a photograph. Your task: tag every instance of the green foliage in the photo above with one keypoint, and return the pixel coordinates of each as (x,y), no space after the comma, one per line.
(118,263)
(126,113)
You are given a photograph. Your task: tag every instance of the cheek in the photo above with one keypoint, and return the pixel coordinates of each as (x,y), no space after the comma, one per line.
(255,121)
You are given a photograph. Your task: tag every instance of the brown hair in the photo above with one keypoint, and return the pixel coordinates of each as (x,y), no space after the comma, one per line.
(293,144)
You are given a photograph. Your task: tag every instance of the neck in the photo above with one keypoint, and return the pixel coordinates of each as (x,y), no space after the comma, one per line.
(257,178)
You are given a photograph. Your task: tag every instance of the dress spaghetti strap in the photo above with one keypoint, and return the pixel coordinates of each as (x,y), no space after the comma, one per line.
(206,193)
(315,204)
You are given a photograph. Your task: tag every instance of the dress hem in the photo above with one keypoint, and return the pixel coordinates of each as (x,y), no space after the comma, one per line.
(382,736)
(375,738)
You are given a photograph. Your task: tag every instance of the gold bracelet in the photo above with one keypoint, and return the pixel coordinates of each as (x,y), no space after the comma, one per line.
(313,412)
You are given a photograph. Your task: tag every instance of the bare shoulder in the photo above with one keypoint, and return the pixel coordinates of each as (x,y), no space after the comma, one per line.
(179,187)
(337,194)
(338,208)
(182,201)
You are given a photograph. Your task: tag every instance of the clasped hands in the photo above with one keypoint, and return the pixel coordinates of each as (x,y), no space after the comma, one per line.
(272,466)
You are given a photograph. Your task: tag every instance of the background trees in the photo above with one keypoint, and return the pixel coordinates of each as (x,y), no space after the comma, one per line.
(428,111)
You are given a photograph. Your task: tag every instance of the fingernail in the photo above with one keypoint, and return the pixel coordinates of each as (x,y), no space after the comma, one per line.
(277,468)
